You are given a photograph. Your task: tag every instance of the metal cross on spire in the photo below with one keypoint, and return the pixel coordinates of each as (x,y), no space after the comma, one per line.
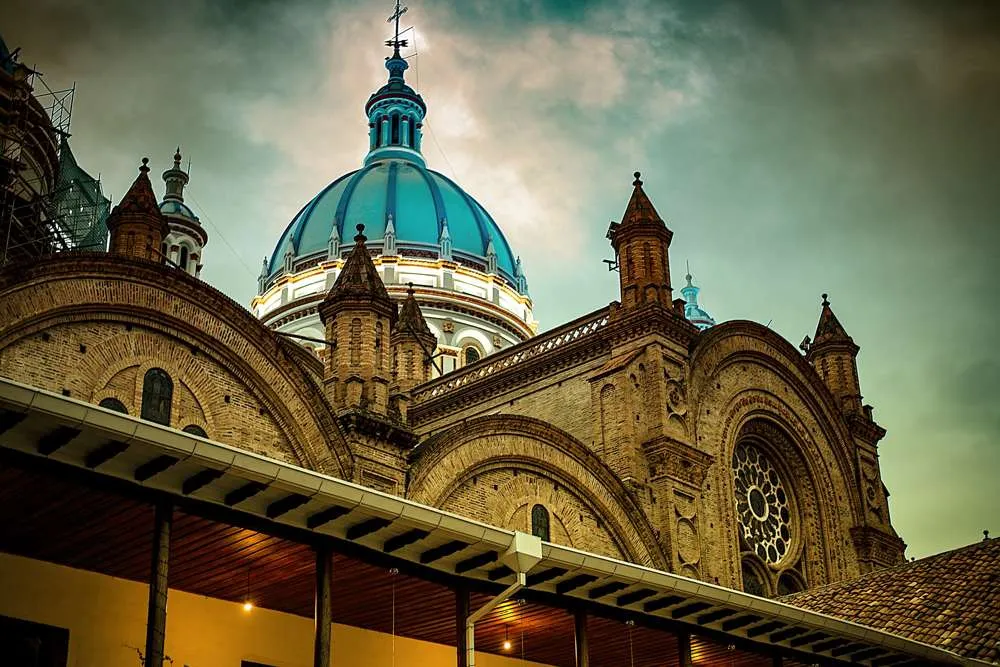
(396,42)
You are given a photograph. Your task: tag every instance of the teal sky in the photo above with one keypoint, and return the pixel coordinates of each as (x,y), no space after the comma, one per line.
(793,147)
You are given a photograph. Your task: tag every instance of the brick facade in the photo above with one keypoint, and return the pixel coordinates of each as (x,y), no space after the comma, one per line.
(623,425)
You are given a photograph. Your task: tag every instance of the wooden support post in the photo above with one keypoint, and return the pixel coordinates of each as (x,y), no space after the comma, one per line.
(461,616)
(156,617)
(580,634)
(683,649)
(323,614)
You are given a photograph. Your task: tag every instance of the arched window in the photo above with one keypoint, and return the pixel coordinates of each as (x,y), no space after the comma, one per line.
(472,355)
(194,429)
(540,522)
(355,342)
(113,404)
(788,583)
(395,129)
(183,261)
(753,583)
(157,394)
(378,346)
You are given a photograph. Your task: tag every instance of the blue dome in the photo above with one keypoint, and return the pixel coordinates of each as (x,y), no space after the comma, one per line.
(174,207)
(418,200)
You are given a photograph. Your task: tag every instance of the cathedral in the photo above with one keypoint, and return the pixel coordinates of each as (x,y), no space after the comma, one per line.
(392,345)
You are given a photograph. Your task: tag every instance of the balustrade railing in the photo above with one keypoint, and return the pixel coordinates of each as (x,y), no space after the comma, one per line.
(495,363)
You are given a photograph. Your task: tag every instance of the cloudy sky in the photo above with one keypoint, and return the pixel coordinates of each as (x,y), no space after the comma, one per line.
(794,148)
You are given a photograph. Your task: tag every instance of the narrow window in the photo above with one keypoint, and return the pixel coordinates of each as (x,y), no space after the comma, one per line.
(157,394)
(183,262)
(540,522)
(647,259)
(472,355)
(355,342)
(629,268)
(113,404)
(194,429)
(378,346)
(395,129)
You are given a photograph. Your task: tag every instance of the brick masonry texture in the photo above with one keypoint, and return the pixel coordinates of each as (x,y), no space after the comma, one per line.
(625,434)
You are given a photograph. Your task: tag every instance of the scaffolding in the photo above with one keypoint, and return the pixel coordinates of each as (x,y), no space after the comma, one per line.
(48,203)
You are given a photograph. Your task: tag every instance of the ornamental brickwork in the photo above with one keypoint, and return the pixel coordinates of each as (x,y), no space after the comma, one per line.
(724,455)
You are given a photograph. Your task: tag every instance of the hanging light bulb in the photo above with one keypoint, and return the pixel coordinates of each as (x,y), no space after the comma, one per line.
(247,604)
(506,639)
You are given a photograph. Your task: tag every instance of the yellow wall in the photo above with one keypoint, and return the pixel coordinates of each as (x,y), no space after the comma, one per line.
(106,616)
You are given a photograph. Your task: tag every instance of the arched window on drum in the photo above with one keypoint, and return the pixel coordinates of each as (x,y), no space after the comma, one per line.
(540,522)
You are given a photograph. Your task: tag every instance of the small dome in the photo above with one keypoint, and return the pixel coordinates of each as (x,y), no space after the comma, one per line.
(174,207)
(417,199)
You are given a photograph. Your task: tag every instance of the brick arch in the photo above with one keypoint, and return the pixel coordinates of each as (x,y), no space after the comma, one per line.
(82,287)
(444,462)
(746,373)
(521,492)
(144,351)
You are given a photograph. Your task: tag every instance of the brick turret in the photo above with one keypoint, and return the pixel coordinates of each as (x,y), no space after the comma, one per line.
(136,225)
(358,315)
(641,242)
(833,354)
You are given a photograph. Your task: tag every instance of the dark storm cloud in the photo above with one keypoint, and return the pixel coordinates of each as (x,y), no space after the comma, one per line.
(793,147)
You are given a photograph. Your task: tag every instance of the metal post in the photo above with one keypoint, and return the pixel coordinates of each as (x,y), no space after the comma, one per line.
(323,614)
(683,649)
(582,650)
(461,616)
(156,618)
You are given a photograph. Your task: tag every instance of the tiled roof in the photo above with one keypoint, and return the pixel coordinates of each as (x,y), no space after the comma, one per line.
(951,600)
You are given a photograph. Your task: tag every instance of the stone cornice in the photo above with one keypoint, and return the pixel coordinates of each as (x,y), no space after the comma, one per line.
(376,426)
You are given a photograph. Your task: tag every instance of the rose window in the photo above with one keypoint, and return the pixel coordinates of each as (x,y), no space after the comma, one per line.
(761,504)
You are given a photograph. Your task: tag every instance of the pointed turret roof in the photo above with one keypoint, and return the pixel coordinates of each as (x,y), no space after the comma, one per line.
(139,203)
(829,329)
(140,197)
(639,208)
(358,281)
(411,320)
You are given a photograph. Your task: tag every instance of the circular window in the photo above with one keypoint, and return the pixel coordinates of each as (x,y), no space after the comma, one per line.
(761,504)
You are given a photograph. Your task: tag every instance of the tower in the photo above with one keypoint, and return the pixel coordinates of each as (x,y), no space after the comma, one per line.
(834,356)
(186,240)
(412,346)
(641,242)
(358,315)
(136,225)
(695,314)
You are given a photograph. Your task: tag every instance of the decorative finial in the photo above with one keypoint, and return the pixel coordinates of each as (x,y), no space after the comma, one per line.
(177,158)
(688,276)
(409,289)
(825,301)
(396,42)
(986,535)
(360,237)
(637,182)
(144,168)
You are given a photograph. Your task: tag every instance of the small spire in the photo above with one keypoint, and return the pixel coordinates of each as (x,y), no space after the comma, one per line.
(639,208)
(144,169)
(177,158)
(687,263)
(638,181)
(829,329)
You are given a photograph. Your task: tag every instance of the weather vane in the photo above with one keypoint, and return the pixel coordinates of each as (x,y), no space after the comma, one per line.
(394,17)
